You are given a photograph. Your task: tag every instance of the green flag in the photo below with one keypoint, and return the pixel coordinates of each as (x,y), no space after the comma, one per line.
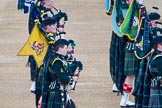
(132,22)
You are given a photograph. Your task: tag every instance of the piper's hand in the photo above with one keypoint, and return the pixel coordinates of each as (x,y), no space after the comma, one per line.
(79,64)
(76,73)
(75,78)
(61,28)
(40,102)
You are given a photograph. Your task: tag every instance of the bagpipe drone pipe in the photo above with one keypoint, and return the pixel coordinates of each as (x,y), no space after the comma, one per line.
(146,34)
(37,12)
(79,68)
(142,44)
(75,65)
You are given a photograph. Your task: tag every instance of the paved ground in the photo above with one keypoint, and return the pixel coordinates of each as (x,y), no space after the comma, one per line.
(88,25)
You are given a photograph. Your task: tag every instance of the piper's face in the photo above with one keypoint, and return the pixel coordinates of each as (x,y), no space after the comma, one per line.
(51,28)
(63,50)
(159,47)
(49,3)
(153,23)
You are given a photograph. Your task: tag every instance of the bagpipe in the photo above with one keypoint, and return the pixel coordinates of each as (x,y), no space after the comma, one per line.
(38,15)
(51,37)
(60,16)
(73,83)
(37,11)
(75,65)
(143,46)
(159,24)
(156,31)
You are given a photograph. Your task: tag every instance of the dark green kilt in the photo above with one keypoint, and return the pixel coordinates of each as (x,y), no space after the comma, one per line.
(55,100)
(155,100)
(139,84)
(116,52)
(39,81)
(131,64)
(112,52)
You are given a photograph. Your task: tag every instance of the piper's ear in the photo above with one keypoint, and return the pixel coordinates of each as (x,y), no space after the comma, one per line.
(158,46)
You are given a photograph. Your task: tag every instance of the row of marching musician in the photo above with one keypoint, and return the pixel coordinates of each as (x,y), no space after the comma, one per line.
(136,53)
(53,66)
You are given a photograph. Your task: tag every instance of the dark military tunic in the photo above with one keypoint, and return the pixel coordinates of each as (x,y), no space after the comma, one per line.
(147,85)
(142,85)
(33,67)
(57,78)
(155,100)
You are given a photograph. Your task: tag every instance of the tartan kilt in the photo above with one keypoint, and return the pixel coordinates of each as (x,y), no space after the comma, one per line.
(55,100)
(39,81)
(33,67)
(155,100)
(131,64)
(117,54)
(112,56)
(139,84)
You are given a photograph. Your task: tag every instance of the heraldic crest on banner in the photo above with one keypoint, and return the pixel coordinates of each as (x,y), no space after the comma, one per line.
(36,45)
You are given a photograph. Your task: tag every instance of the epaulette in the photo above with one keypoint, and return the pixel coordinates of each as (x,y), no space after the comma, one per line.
(159,55)
(43,14)
(62,70)
(49,34)
(55,60)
